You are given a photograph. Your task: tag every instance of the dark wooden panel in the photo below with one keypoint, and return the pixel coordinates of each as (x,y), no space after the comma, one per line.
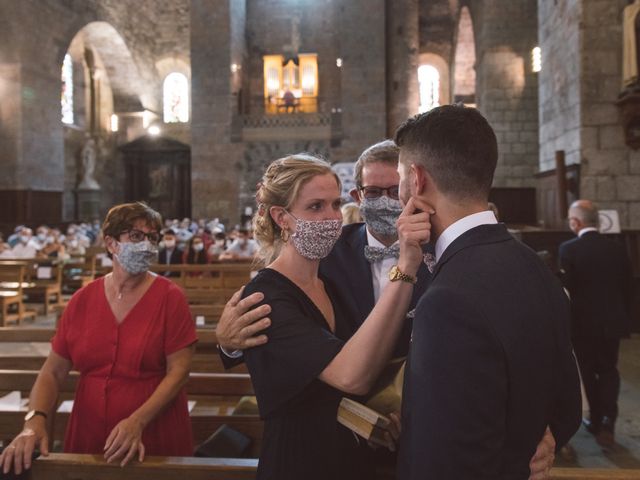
(515,205)
(30,207)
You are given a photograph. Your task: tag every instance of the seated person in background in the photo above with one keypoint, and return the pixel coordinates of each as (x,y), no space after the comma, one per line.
(169,253)
(53,247)
(42,232)
(218,247)
(27,246)
(131,336)
(73,243)
(289,100)
(195,254)
(242,248)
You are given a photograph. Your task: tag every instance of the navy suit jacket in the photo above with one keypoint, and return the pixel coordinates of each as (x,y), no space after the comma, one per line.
(490,363)
(349,270)
(597,273)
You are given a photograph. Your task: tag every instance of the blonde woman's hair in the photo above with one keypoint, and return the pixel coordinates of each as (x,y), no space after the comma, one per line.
(280,185)
(351,213)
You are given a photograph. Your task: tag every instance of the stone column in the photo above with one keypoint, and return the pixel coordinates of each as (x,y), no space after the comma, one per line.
(402,62)
(364,113)
(215,161)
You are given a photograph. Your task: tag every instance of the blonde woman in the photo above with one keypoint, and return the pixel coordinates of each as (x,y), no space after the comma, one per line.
(313,358)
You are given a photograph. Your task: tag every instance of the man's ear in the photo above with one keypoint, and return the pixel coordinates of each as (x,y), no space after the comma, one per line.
(419,179)
(355,194)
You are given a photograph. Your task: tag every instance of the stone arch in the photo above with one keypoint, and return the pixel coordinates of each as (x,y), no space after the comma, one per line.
(107,77)
(464,60)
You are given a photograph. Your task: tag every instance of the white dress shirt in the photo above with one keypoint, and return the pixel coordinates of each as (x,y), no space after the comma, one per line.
(586,230)
(379,269)
(463,225)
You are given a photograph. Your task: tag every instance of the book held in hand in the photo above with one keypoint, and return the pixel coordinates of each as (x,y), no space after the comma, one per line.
(364,421)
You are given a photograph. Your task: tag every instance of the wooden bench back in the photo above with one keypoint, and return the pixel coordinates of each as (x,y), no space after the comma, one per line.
(63,466)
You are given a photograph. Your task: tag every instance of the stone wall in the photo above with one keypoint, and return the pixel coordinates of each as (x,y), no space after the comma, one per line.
(579,85)
(507,89)
(610,171)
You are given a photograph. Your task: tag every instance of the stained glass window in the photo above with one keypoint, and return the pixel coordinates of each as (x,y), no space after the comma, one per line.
(429,79)
(176,98)
(66,96)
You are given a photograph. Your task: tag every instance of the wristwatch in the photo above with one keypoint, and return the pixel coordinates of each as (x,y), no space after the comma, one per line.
(395,274)
(32,413)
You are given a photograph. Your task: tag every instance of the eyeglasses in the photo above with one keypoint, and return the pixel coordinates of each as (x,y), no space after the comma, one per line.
(138,236)
(372,192)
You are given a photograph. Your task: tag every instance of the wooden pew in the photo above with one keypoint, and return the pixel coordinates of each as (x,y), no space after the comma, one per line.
(206,358)
(66,466)
(209,391)
(12,283)
(45,289)
(78,273)
(594,474)
(60,466)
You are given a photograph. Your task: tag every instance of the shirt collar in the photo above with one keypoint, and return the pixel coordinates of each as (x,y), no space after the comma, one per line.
(587,230)
(374,242)
(461,226)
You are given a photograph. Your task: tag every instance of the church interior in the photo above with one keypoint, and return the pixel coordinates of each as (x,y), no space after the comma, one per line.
(183,103)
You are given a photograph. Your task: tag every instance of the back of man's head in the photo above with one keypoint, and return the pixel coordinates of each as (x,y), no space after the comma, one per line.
(586,212)
(456,146)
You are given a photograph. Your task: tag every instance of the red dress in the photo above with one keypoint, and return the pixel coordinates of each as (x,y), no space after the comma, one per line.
(121,365)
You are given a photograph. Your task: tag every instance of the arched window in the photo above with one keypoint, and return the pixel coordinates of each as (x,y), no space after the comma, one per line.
(429,79)
(66,93)
(176,98)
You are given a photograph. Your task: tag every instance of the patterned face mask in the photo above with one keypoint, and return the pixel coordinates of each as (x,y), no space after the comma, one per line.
(136,258)
(314,239)
(381,214)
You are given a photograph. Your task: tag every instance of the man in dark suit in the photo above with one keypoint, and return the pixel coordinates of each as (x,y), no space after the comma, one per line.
(170,254)
(597,273)
(490,364)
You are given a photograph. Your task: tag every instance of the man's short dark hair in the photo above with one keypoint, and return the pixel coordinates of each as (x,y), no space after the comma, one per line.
(456,146)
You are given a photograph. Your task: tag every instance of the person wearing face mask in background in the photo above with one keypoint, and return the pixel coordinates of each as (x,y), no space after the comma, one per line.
(169,253)
(218,246)
(131,337)
(195,253)
(25,247)
(242,248)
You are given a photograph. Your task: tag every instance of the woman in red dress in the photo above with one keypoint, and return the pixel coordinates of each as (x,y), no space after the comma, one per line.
(131,337)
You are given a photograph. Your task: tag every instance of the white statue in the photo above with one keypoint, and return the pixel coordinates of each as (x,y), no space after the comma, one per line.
(630,45)
(89,166)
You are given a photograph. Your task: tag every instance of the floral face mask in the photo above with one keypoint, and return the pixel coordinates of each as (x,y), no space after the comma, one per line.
(314,239)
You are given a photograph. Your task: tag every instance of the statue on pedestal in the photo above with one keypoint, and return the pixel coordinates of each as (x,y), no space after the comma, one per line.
(89,166)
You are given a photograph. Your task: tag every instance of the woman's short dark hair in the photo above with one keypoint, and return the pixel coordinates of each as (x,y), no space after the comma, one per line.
(456,146)
(121,218)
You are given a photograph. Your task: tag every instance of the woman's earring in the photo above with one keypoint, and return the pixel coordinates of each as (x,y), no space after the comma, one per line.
(284,235)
